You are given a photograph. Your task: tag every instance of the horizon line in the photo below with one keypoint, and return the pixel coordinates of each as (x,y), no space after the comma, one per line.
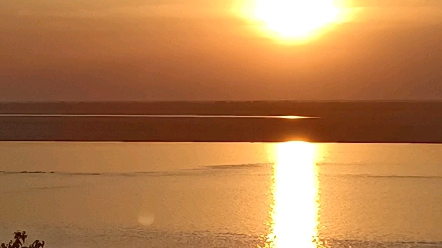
(289,117)
(226,101)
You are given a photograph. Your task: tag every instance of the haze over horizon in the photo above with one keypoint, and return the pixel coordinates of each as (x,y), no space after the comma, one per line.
(141,50)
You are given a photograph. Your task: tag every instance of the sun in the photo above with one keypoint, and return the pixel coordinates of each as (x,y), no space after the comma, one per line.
(295,19)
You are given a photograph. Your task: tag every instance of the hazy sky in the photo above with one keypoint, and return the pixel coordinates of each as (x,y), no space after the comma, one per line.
(209,50)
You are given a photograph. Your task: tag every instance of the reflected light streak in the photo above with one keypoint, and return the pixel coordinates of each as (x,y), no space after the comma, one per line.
(295,209)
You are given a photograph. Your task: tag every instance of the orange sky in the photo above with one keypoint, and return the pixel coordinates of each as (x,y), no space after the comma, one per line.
(205,50)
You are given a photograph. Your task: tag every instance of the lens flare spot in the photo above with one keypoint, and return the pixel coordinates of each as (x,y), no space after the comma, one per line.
(146,219)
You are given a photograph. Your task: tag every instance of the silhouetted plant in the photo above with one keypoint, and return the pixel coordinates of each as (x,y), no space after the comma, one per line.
(17,243)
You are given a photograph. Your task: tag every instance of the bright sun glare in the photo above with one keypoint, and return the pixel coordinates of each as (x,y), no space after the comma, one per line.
(295,19)
(295,209)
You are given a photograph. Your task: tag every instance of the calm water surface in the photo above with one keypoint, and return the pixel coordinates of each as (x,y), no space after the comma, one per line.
(222,195)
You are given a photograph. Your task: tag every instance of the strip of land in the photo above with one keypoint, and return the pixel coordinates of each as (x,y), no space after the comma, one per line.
(353,122)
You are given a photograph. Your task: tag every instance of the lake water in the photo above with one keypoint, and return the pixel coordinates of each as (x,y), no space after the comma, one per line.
(117,195)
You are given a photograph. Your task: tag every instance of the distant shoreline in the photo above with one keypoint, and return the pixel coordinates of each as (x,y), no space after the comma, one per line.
(242,108)
(227,101)
(160,116)
(346,122)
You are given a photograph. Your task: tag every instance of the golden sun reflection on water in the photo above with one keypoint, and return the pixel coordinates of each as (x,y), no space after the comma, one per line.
(294,212)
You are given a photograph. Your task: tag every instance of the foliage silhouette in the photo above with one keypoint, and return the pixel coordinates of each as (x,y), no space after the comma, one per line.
(19,242)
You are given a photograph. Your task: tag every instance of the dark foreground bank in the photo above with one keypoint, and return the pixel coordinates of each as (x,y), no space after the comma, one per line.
(368,122)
